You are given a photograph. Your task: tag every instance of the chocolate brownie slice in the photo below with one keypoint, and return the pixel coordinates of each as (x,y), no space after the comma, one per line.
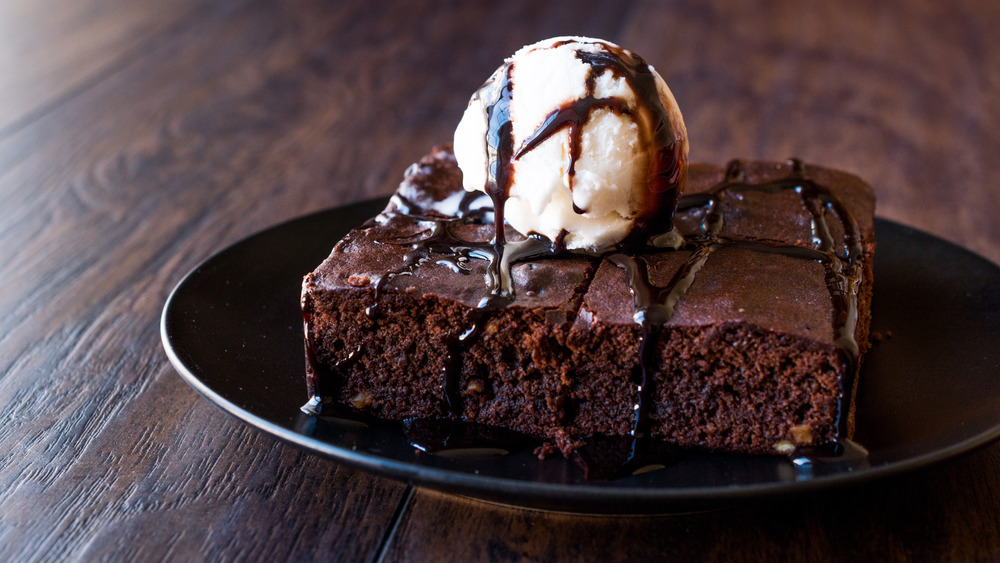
(741,331)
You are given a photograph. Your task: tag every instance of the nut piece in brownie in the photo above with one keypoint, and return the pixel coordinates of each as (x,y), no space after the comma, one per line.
(740,331)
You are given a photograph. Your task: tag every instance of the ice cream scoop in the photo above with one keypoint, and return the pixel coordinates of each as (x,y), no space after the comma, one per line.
(576,139)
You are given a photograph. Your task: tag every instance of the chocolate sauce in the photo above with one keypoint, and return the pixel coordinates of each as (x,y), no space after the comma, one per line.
(452,368)
(573,115)
(440,240)
(450,438)
(467,207)
(319,374)
(837,456)
(611,457)
(665,169)
(499,155)
(654,307)
(316,372)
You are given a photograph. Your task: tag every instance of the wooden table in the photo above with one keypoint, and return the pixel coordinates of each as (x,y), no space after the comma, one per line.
(138,138)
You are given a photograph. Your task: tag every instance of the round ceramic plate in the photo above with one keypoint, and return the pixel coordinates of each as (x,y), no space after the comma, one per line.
(929,390)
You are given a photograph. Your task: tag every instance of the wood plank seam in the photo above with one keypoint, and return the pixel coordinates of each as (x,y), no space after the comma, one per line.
(397,516)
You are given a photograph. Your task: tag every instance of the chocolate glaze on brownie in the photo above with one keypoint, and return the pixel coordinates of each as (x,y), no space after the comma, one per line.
(757,319)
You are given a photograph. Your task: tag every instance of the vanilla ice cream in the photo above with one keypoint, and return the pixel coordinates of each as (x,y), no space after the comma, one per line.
(596,146)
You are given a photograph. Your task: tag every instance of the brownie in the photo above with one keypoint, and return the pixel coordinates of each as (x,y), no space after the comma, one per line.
(742,331)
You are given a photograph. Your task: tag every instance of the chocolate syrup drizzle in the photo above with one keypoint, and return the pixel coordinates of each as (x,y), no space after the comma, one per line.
(317,372)
(468,208)
(653,306)
(665,168)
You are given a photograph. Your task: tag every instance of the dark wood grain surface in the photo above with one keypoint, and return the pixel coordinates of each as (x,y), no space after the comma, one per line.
(137,139)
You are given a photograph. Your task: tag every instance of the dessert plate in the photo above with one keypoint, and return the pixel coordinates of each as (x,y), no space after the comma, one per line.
(929,390)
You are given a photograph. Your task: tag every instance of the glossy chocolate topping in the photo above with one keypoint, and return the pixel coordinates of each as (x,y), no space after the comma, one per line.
(666,173)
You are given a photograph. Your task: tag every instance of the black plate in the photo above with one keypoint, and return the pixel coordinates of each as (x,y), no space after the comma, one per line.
(929,392)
